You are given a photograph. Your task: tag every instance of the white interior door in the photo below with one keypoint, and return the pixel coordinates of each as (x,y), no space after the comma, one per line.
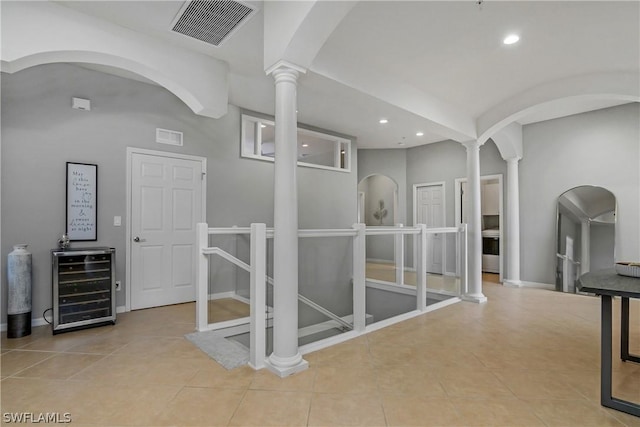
(430,211)
(166,204)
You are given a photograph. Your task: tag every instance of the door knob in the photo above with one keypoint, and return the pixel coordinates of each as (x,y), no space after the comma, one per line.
(136,239)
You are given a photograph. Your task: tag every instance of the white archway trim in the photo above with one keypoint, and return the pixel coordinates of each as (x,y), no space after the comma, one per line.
(509,141)
(35,33)
(397,218)
(296,31)
(623,86)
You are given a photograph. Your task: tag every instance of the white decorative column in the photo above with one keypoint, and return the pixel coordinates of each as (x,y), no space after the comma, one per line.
(513,223)
(286,358)
(474,276)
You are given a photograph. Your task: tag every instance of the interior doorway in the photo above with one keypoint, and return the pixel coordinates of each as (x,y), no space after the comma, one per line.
(429,209)
(492,221)
(166,198)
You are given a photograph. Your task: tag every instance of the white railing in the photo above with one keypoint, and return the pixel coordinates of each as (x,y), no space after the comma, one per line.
(399,232)
(257,269)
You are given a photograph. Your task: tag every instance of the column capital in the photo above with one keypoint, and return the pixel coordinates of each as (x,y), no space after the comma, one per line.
(514,159)
(473,144)
(283,66)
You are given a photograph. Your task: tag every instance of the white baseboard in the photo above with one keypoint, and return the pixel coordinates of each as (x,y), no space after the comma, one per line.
(512,283)
(381,261)
(439,294)
(241,298)
(390,287)
(329,324)
(538,285)
(121,309)
(328,342)
(228,294)
(371,327)
(221,295)
(442,304)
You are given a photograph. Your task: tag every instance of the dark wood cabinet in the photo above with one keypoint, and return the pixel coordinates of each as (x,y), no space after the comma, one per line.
(84,285)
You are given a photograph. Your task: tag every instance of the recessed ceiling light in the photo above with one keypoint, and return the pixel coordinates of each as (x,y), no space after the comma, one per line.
(419,133)
(400,143)
(384,121)
(305,145)
(263,126)
(511,39)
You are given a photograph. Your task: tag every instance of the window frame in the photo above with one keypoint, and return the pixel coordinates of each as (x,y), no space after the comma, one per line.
(341,143)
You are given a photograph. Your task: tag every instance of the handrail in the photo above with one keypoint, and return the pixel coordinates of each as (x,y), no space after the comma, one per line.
(378,230)
(227,256)
(324,311)
(337,232)
(229,230)
(568,259)
(301,298)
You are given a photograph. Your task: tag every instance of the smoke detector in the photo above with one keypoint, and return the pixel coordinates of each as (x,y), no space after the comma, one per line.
(211,21)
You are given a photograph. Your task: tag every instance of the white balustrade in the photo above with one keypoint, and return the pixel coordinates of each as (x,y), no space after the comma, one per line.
(259,234)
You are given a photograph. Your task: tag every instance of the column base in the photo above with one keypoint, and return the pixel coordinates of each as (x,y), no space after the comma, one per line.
(283,367)
(477,298)
(512,283)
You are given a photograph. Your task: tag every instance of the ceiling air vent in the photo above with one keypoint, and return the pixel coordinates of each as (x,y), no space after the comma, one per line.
(211,21)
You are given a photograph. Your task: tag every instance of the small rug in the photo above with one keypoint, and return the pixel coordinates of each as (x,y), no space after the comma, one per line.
(228,353)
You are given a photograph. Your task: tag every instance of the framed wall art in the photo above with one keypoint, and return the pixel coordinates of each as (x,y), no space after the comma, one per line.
(82,202)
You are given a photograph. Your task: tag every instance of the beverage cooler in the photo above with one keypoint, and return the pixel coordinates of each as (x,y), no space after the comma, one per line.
(83,288)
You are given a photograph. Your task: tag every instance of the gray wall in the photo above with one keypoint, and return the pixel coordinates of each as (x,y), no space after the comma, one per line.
(378,188)
(437,162)
(392,164)
(599,148)
(40,132)
(446,161)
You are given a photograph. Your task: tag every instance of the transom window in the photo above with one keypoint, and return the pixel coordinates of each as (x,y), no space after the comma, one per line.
(315,149)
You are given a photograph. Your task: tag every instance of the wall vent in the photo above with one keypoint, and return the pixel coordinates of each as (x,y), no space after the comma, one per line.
(211,21)
(171,137)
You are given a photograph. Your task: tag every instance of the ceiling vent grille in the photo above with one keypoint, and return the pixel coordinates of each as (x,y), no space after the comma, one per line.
(211,21)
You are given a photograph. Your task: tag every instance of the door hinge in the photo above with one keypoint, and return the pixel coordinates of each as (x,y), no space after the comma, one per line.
(203,174)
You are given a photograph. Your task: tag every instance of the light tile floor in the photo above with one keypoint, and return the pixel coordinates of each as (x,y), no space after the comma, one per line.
(528,357)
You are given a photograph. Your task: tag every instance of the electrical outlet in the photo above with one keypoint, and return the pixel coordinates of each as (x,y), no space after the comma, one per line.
(118,283)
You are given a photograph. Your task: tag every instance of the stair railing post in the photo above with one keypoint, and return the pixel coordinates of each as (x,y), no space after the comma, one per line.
(359,278)
(257,296)
(202,277)
(399,256)
(464,285)
(421,269)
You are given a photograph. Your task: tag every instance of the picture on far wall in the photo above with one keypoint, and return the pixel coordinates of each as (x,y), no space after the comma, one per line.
(82,202)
